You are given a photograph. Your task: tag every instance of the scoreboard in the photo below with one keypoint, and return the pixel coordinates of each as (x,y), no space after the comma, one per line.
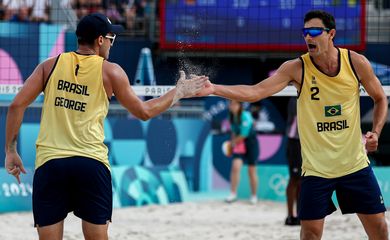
(254,24)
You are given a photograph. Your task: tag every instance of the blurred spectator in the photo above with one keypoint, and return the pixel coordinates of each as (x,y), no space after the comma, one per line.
(130,15)
(12,8)
(22,15)
(2,10)
(40,11)
(140,7)
(244,148)
(85,7)
(24,10)
(133,14)
(114,15)
(137,14)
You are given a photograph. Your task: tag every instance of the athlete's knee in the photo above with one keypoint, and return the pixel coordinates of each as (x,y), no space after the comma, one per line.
(376,227)
(52,232)
(95,235)
(310,235)
(311,231)
(382,231)
(95,231)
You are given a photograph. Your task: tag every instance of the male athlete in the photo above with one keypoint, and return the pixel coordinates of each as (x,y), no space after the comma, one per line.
(72,168)
(334,157)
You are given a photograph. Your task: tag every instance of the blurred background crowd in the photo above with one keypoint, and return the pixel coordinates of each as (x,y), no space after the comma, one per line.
(132,14)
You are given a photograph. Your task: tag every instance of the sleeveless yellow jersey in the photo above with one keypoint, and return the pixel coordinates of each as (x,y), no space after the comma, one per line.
(328,111)
(75,106)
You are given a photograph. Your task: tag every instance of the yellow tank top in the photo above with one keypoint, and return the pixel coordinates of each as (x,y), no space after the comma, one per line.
(328,111)
(75,106)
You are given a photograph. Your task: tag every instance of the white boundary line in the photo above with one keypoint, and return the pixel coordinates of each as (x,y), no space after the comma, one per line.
(154,91)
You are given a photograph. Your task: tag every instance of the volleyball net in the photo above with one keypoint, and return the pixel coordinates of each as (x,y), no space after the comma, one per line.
(263,31)
(155,91)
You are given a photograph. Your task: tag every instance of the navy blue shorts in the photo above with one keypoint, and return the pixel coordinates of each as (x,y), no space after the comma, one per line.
(78,184)
(356,193)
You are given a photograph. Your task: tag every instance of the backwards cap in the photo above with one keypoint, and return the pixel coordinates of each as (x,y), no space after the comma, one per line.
(94,25)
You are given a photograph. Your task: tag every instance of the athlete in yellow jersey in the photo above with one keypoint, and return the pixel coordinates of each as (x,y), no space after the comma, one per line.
(72,169)
(334,159)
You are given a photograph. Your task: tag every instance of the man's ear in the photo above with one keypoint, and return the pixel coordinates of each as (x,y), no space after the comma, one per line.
(100,40)
(332,33)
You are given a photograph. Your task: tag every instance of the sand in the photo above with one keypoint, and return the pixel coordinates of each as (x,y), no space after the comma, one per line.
(206,220)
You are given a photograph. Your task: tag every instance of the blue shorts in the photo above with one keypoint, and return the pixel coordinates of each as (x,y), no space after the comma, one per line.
(78,184)
(356,193)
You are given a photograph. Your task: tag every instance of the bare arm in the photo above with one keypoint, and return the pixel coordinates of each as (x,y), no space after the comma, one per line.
(373,87)
(31,89)
(286,73)
(121,88)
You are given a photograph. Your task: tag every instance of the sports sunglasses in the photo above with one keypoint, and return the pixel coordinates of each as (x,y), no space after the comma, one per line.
(314,31)
(111,38)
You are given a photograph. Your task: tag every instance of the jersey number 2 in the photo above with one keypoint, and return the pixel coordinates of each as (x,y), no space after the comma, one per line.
(314,92)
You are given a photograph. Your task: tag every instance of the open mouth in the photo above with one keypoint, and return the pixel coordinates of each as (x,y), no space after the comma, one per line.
(311,46)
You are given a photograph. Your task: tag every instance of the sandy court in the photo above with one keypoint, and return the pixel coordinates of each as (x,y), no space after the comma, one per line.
(193,221)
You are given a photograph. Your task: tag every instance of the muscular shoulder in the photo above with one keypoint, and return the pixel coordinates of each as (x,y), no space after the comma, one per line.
(47,66)
(357,58)
(114,78)
(292,69)
(112,70)
(292,65)
(50,61)
(359,62)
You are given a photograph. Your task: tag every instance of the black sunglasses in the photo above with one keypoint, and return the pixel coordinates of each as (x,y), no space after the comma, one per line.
(314,31)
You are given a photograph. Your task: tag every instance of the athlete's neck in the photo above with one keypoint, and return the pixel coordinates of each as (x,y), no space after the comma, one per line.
(328,62)
(86,50)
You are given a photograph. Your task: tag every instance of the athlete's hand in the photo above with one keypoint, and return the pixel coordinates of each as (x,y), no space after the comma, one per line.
(14,165)
(187,88)
(207,90)
(371,141)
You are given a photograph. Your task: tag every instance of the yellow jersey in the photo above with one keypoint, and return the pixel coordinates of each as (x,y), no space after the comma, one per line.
(328,111)
(74,108)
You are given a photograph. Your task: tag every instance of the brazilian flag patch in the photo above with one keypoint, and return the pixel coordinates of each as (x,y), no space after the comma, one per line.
(331,111)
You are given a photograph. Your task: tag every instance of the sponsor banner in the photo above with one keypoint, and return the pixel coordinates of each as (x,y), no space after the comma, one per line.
(14,196)
(132,186)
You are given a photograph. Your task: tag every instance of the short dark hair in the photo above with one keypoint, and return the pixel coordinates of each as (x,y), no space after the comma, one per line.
(82,41)
(327,18)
